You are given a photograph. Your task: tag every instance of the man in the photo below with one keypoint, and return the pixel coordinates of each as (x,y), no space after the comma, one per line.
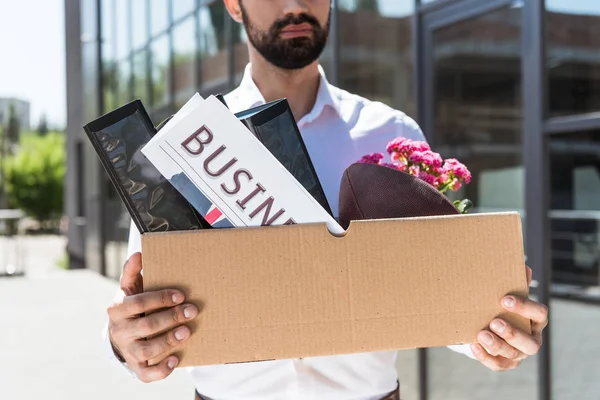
(286,37)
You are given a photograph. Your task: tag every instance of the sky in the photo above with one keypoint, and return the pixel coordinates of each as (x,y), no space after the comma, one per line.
(32,56)
(32,50)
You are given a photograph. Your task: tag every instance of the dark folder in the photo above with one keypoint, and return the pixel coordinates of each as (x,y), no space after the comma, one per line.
(275,126)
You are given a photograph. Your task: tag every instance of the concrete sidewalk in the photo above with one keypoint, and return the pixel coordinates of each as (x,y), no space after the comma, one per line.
(52,347)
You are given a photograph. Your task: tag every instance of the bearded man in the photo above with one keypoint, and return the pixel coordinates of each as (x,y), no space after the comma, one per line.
(286,38)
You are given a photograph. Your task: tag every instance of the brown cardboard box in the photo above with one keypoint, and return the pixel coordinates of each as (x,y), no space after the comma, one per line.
(297,291)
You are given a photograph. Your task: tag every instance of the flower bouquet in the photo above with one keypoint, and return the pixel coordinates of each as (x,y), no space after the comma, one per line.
(416,158)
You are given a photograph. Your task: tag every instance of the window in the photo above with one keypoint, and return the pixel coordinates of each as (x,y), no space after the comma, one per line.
(573,56)
(181,8)
(139,25)
(184,44)
(213,50)
(376,59)
(108,61)
(575,208)
(140,76)
(575,257)
(159,16)
(160,70)
(123,44)
(123,78)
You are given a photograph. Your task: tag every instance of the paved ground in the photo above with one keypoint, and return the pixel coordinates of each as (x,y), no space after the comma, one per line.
(51,346)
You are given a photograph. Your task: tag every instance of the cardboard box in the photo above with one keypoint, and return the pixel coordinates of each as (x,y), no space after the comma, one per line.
(297,291)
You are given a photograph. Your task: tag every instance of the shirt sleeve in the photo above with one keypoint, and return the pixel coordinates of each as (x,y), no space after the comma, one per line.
(463,349)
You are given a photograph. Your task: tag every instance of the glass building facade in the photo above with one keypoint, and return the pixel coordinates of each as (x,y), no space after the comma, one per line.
(510,87)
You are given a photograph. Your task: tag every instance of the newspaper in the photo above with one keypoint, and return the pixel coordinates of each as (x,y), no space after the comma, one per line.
(226,174)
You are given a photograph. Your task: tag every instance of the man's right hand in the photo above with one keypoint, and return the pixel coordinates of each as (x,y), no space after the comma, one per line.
(128,330)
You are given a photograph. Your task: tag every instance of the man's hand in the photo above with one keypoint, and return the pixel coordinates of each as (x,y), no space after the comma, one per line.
(504,347)
(128,330)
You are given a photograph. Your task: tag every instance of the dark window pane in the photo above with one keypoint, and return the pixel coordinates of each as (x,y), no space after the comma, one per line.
(182,8)
(159,16)
(376,60)
(140,76)
(160,71)
(184,41)
(213,50)
(573,41)
(123,40)
(575,208)
(575,249)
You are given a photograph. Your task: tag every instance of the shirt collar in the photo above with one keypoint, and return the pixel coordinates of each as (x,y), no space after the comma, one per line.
(325,98)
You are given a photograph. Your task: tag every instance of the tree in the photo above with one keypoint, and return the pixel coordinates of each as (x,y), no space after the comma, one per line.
(35,177)
(42,129)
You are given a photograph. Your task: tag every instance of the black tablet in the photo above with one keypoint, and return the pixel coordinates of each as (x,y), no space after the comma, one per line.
(153,203)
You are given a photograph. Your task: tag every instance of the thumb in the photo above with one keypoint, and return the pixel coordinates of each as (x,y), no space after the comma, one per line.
(529,275)
(131,278)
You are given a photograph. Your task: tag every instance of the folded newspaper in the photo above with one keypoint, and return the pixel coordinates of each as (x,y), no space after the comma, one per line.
(227,174)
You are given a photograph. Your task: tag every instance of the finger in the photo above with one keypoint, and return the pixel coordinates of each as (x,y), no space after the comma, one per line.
(133,306)
(515,337)
(131,278)
(158,322)
(162,345)
(495,363)
(496,346)
(536,312)
(529,275)
(157,372)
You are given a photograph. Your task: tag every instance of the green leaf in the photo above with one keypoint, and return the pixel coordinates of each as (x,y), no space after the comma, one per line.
(463,205)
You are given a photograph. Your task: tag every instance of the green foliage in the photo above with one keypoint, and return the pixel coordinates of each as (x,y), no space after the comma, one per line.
(35,177)
(463,205)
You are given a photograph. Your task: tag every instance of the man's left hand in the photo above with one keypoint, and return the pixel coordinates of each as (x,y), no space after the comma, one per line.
(503,347)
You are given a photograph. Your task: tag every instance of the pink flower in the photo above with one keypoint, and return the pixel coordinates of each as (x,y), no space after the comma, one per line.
(371,158)
(406,146)
(414,170)
(396,144)
(441,179)
(389,165)
(420,146)
(457,169)
(455,185)
(428,178)
(427,158)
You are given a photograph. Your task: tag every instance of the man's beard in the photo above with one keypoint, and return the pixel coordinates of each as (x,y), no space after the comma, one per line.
(294,53)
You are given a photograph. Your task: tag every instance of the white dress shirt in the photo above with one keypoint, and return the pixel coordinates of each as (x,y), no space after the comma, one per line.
(340,129)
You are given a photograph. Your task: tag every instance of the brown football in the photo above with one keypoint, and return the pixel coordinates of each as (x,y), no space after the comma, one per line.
(369,191)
